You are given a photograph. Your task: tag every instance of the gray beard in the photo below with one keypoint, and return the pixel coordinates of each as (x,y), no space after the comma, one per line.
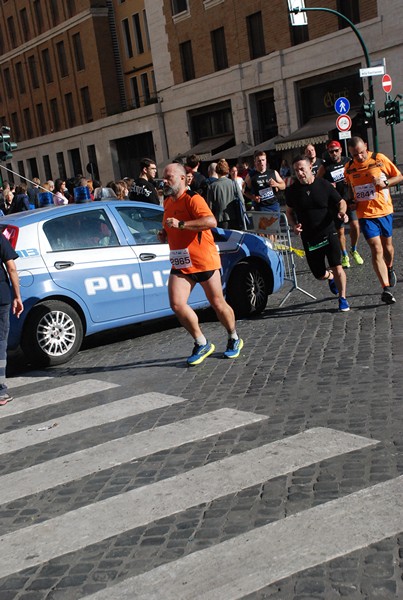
(171,191)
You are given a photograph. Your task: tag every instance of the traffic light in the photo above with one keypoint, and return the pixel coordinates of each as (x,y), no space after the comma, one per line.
(6,145)
(393,112)
(390,112)
(399,111)
(368,112)
(368,109)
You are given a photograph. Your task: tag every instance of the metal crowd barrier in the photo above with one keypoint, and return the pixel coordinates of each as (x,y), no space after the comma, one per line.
(274,225)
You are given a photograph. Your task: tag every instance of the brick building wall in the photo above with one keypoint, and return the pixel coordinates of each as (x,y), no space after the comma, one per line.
(280,73)
(233,17)
(82,91)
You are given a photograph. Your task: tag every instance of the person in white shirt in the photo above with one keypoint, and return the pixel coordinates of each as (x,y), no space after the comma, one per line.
(58,197)
(233,174)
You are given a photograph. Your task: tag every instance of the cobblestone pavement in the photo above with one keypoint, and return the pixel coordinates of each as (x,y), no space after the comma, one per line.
(304,366)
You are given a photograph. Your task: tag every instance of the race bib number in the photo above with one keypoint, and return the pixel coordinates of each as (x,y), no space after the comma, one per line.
(266,193)
(364,192)
(338,174)
(180,259)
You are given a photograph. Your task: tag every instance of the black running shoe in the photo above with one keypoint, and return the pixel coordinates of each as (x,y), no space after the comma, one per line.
(388,297)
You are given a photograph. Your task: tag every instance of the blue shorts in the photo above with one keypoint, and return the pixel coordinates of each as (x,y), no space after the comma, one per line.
(382,226)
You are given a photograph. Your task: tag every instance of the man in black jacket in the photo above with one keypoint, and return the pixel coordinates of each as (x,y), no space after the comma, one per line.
(8,273)
(198,183)
(20,202)
(33,192)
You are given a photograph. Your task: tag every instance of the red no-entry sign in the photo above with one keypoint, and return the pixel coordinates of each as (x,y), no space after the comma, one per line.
(387,83)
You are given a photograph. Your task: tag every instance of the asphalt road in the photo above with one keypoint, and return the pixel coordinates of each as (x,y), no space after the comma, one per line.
(278,475)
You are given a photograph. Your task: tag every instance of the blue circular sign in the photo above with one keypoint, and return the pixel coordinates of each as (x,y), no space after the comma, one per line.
(342,106)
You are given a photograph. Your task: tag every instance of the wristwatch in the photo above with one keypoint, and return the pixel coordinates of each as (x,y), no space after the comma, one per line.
(181,225)
(386,182)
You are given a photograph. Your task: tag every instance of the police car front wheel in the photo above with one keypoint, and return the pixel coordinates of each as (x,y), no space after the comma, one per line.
(53,334)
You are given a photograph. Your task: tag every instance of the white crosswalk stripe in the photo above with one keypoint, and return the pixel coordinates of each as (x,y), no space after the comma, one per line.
(21,381)
(110,454)
(268,554)
(79,528)
(55,396)
(248,562)
(81,420)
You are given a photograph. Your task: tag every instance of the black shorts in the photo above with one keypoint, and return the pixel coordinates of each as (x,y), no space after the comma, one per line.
(316,253)
(196,277)
(352,216)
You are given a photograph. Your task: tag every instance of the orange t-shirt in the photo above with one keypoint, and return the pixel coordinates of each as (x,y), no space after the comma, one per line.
(198,247)
(372,201)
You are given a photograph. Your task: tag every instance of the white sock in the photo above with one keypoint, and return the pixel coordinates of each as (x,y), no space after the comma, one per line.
(201,340)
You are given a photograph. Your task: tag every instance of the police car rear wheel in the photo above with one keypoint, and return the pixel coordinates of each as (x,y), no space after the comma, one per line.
(247,290)
(53,334)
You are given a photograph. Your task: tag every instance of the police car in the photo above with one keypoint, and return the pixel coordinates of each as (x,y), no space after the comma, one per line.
(86,268)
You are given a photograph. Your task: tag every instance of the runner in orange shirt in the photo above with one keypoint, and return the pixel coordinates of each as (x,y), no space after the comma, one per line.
(369,176)
(194,257)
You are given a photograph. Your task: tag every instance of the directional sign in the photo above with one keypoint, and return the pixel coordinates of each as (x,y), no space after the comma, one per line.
(387,83)
(343,123)
(370,71)
(342,106)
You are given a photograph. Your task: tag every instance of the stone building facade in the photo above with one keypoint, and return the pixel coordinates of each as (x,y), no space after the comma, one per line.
(159,78)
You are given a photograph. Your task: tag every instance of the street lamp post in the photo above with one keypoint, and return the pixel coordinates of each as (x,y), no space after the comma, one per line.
(298,9)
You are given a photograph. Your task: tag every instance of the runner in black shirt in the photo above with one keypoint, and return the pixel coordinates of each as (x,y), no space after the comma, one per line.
(310,152)
(312,206)
(333,171)
(261,186)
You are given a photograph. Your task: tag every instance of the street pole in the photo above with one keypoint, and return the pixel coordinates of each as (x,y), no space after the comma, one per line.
(367,60)
(392,131)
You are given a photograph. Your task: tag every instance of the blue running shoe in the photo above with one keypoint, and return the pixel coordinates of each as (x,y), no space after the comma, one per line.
(233,348)
(343,305)
(333,287)
(200,353)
